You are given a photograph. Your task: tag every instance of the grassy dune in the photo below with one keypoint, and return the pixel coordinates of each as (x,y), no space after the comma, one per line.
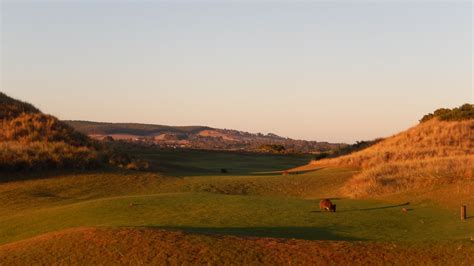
(31,140)
(433,153)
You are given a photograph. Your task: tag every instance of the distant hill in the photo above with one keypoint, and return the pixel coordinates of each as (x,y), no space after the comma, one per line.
(200,137)
(31,140)
(143,130)
(438,150)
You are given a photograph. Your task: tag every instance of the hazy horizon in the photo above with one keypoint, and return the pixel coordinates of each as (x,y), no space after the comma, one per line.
(337,72)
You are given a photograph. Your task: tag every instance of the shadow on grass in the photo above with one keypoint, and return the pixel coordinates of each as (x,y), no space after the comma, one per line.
(14,176)
(307,233)
(179,163)
(282,172)
(373,208)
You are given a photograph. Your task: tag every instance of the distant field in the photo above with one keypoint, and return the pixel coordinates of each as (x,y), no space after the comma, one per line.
(189,194)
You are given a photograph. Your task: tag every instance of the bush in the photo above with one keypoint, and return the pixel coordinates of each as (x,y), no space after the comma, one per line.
(274,148)
(321,155)
(11,108)
(125,161)
(27,128)
(31,140)
(463,112)
(16,156)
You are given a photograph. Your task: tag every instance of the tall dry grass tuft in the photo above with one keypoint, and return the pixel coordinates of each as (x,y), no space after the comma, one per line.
(395,177)
(434,152)
(11,108)
(31,140)
(28,128)
(38,155)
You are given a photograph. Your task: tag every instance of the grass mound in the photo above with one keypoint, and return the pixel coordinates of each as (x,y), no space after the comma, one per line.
(31,140)
(433,152)
(125,246)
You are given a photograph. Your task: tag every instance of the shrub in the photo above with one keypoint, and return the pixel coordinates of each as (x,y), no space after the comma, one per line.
(125,161)
(11,108)
(275,148)
(27,128)
(16,156)
(463,112)
(31,140)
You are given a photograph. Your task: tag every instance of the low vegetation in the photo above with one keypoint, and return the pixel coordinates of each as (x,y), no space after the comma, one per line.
(11,108)
(348,149)
(146,246)
(31,140)
(437,151)
(464,112)
(187,211)
(272,148)
(17,156)
(410,175)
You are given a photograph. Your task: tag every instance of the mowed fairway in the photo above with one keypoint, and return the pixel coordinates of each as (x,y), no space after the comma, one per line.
(189,194)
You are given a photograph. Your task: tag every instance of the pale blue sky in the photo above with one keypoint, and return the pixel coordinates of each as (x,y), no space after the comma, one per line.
(334,71)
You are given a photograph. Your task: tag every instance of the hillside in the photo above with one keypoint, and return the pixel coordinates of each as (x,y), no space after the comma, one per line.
(145,246)
(200,137)
(437,151)
(31,140)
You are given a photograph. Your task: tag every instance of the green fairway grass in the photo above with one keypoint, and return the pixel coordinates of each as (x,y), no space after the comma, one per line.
(245,215)
(237,203)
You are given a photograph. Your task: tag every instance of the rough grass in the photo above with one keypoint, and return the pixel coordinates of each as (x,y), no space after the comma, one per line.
(31,140)
(432,153)
(11,108)
(215,209)
(247,215)
(432,139)
(143,246)
(37,155)
(413,175)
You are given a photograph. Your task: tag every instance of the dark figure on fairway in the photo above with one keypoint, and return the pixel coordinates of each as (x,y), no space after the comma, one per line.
(327,205)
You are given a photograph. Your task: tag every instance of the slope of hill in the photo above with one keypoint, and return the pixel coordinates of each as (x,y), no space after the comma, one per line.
(147,246)
(199,137)
(99,128)
(11,108)
(30,139)
(437,151)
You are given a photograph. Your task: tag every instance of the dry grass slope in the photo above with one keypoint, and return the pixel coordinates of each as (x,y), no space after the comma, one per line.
(31,140)
(433,152)
(126,246)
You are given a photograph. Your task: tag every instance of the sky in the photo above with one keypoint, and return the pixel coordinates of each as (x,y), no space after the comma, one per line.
(337,71)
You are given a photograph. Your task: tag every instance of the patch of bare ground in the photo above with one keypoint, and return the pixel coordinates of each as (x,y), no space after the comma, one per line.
(138,246)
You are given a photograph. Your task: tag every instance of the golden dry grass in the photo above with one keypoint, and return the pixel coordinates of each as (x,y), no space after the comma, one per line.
(144,246)
(433,152)
(32,141)
(409,175)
